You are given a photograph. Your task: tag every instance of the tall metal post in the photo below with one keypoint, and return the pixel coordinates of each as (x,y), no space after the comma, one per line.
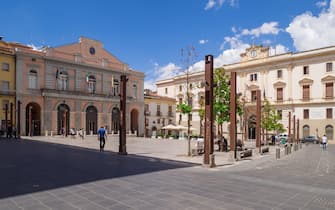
(65,122)
(233,113)
(18,123)
(297,130)
(258,119)
(123,98)
(6,118)
(294,131)
(209,146)
(11,114)
(289,127)
(30,120)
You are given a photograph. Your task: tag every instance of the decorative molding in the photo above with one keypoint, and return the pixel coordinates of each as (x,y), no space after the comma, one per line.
(279,84)
(328,78)
(306,81)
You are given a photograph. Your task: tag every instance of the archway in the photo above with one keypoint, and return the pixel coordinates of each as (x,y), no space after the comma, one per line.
(63,119)
(305,130)
(252,127)
(134,121)
(91,120)
(115,120)
(33,119)
(329,130)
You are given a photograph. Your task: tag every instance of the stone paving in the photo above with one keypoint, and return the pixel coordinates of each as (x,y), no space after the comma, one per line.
(40,174)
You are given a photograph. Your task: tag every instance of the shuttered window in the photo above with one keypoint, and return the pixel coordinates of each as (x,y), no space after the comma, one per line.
(329,112)
(305,92)
(329,90)
(306,113)
(279,94)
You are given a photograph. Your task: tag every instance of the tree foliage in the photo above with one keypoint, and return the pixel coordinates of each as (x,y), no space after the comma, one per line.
(270,119)
(184,108)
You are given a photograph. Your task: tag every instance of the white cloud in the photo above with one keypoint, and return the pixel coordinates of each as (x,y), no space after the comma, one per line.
(265,28)
(309,32)
(150,84)
(321,4)
(203,41)
(210,4)
(278,49)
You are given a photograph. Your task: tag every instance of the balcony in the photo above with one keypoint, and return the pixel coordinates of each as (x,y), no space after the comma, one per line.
(158,113)
(7,92)
(170,114)
(147,113)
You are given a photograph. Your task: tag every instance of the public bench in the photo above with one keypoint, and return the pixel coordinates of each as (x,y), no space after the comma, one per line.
(244,153)
(264,150)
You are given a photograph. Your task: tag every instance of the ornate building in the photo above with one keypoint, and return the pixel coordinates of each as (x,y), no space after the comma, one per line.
(159,111)
(76,86)
(299,83)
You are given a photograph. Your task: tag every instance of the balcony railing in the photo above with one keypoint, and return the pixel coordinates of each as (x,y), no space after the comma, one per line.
(7,92)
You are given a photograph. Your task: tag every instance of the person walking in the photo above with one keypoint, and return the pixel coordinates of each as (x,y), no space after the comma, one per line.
(324,142)
(102,135)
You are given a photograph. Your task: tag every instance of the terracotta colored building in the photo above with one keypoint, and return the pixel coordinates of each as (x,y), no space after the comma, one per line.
(76,86)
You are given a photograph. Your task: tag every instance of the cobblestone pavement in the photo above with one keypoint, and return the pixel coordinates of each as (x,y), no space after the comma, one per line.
(45,175)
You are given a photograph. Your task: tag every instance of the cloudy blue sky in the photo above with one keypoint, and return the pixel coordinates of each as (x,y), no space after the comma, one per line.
(149,35)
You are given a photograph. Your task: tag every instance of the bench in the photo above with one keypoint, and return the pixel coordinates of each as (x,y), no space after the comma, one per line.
(245,153)
(264,150)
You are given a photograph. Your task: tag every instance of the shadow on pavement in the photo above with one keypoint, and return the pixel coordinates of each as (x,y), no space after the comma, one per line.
(28,166)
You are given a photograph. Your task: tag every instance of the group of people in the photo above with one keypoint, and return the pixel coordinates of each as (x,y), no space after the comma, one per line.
(11,132)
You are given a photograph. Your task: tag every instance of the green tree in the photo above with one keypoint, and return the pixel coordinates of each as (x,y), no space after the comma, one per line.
(222,98)
(270,119)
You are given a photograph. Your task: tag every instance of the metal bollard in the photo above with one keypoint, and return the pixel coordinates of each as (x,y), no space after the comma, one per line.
(212,161)
(46,133)
(277,153)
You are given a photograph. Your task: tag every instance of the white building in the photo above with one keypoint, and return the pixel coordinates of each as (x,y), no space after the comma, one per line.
(301,83)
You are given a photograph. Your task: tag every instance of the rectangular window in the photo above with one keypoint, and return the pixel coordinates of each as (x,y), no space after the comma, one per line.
(5,66)
(280,114)
(305,92)
(306,113)
(253,77)
(306,70)
(180,118)
(180,88)
(32,80)
(146,107)
(279,94)
(190,115)
(329,90)
(329,67)
(279,73)
(158,110)
(190,101)
(5,85)
(180,100)
(329,112)
(253,96)
(158,121)
(5,103)
(166,91)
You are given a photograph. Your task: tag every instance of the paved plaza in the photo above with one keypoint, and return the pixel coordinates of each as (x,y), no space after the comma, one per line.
(58,173)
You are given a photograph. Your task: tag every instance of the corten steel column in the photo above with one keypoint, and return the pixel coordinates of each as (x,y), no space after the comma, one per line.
(294,132)
(289,127)
(123,98)
(65,123)
(11,115)
(233,113)
(30,120)
(258,119)
(209,146)
(297,130)
(18,123)
(6,118)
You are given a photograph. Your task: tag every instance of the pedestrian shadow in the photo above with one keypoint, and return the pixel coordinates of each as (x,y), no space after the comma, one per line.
(28,166)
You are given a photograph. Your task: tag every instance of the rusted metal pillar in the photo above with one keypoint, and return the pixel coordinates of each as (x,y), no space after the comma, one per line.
(258,119)
(11,115)
(297,130)
(123,98)
(209,142)
(294,131)
(6,118)
(232,132)
(18,123)
(65,122)
(30,120)
(289,127)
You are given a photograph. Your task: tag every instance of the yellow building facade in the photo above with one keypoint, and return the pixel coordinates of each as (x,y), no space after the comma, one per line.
(7,85)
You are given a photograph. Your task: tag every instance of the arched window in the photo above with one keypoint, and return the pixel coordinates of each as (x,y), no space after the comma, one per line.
(91,84)
(32,79)
(62,80)
(305,130)
(329,130)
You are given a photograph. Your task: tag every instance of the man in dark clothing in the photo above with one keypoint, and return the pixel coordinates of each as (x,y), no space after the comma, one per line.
(273,139)
(9,132)
(102,135)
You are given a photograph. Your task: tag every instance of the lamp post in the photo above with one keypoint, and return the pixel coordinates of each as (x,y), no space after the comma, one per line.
(294,132)
(123,98)
(18,123)
(297,130)
(30,120)
(232,132)
(6,118)
(258,119)
(289,126)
